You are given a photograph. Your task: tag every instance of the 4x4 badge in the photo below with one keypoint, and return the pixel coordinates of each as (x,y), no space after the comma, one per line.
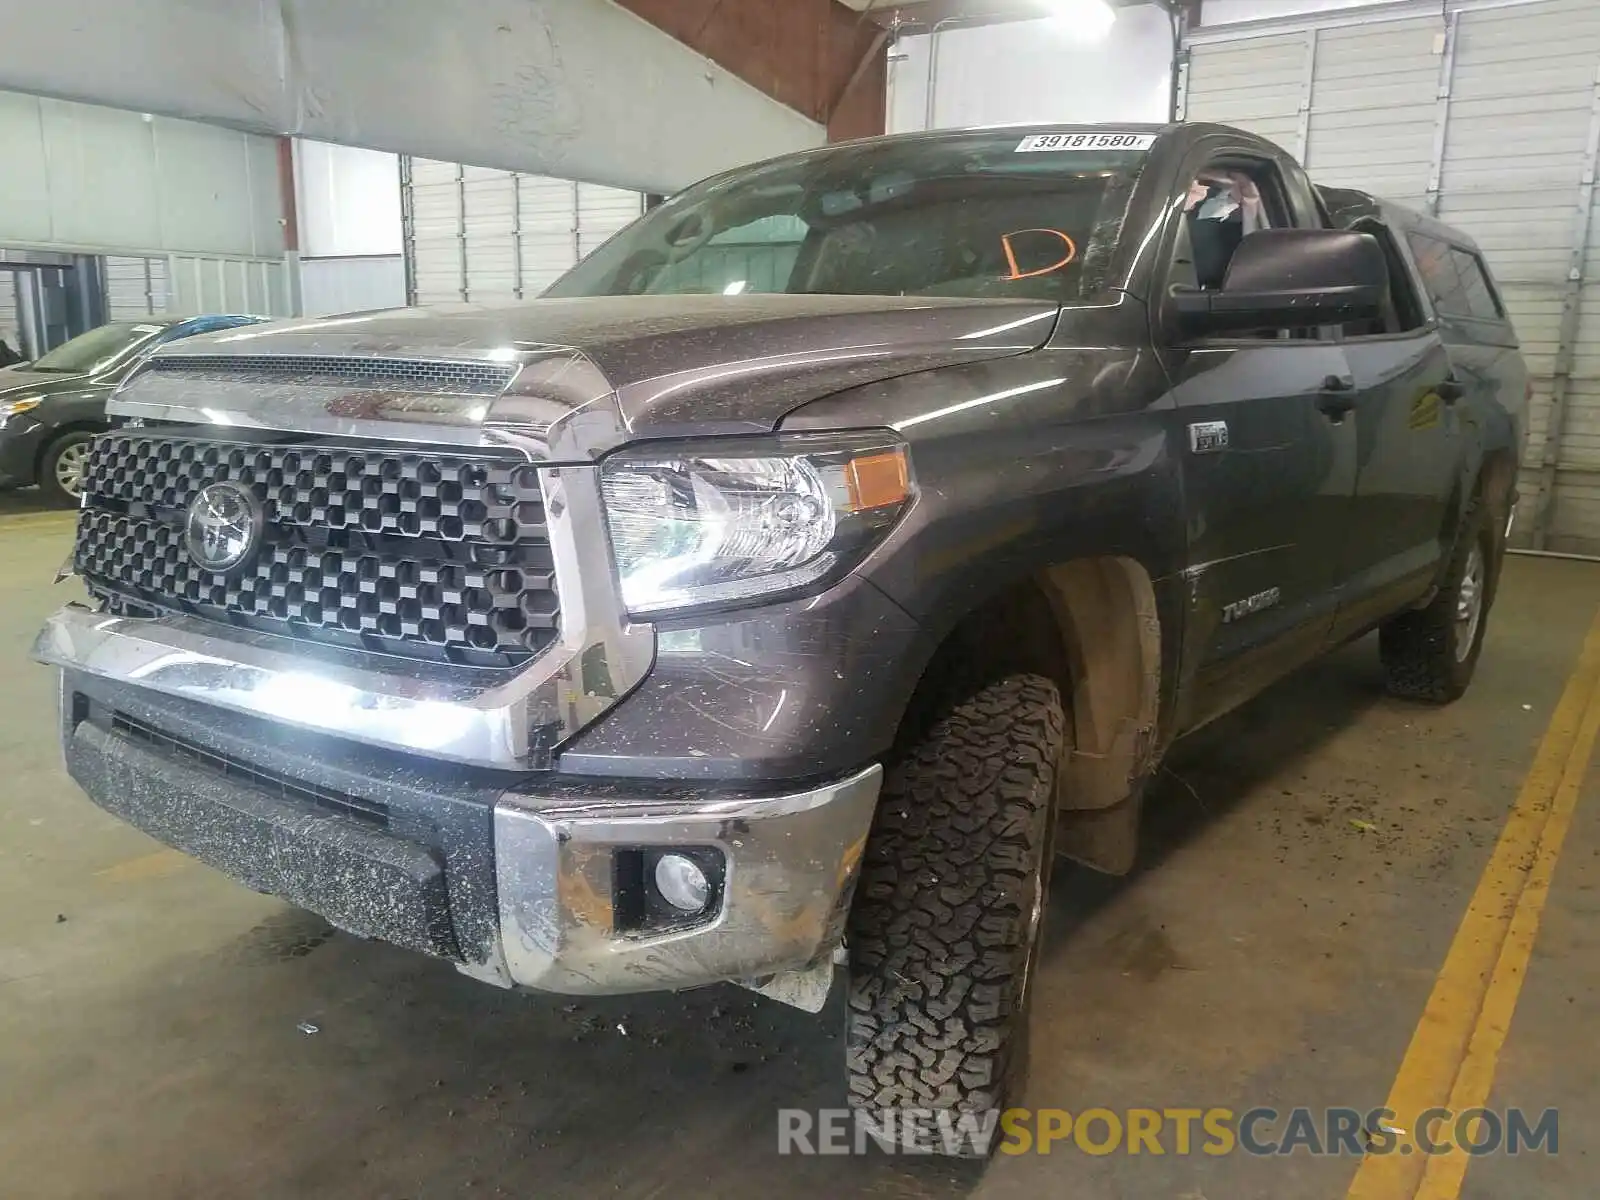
(1207,437)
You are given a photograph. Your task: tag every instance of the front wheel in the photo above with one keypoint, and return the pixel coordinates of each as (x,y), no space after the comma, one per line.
(61,468)
(1430,654)
(944,930)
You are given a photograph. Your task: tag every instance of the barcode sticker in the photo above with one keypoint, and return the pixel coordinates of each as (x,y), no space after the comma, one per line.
(1036,142)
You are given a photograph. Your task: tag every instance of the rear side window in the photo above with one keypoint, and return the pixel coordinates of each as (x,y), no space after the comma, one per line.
(1455,278)
(1476,288)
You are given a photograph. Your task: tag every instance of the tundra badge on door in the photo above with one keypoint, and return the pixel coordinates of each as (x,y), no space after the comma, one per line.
(1250,604)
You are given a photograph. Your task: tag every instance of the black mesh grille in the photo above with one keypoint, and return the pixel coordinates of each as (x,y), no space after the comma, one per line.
(411,375)
(435,556)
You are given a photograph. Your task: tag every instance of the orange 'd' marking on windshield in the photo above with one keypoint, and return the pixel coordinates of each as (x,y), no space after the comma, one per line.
(1011,257)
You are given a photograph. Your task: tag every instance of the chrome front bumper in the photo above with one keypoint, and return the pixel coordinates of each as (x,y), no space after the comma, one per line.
(791,863)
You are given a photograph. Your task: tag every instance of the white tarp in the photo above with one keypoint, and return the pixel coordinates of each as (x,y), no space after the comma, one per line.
(580,89)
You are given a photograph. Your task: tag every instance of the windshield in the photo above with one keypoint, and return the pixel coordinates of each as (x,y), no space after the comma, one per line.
(99,349)
(991,214)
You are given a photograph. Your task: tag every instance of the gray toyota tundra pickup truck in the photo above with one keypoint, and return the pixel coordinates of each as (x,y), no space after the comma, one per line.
(778,596)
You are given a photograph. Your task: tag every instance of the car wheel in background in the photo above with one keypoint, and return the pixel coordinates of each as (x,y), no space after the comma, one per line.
(61,468)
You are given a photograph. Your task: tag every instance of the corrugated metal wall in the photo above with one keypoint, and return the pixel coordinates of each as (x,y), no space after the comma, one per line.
(194,283)
(135,287)
(209,284)
(473,233)
(8,310)
(1487,115)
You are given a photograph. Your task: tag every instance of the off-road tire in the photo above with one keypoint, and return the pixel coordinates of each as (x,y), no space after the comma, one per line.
(50,488)
(944,928)
(1421,650)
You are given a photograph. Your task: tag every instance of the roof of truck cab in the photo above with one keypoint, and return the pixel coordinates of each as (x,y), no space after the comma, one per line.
(1351,204)
(956,132)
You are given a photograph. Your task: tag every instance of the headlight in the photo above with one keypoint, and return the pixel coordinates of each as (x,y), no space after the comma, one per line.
(12,408)
(722,522)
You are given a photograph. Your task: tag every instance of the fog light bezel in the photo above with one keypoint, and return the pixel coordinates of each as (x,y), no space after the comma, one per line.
(640,908)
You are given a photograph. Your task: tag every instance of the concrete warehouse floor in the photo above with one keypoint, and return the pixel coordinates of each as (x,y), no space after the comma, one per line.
(1271,951)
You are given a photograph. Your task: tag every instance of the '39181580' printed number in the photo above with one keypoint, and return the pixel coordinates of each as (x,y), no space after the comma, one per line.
(1086,141)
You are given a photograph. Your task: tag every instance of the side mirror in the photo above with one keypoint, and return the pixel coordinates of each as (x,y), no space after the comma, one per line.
(1291,279)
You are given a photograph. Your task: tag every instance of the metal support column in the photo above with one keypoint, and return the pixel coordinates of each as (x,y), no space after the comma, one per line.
(1567,347)
(32,328)
(1307,83)
(461,229)
(1441,111)
(516,235)
(408,230)
(577,224)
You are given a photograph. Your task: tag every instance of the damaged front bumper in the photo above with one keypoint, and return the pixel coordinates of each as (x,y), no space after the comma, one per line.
(525,881)
(786,867)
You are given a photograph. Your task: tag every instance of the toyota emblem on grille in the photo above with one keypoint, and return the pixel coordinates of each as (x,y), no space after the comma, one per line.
(223,527)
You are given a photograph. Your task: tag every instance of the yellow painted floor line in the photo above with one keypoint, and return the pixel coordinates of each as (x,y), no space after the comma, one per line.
(1455,1048)
(1443,1177)
(32,520)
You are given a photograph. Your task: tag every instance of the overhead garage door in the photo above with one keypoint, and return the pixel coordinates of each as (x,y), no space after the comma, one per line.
(135,287)
(1486,114)
(473,233)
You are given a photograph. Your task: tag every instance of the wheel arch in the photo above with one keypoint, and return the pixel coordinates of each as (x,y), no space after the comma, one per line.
(1093,626)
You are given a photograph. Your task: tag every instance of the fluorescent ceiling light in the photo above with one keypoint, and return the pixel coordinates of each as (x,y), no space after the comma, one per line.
(1086,20)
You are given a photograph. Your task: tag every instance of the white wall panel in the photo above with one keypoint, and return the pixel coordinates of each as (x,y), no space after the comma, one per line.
(1022,71)
(76,176)
(349,200)
(25,192)
(351,283)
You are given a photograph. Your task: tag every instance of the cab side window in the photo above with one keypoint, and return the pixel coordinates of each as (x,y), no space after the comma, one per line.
(1224,205)
(1227,200)
(1221,209)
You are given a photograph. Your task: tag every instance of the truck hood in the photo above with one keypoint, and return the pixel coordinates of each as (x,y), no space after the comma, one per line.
(676,365)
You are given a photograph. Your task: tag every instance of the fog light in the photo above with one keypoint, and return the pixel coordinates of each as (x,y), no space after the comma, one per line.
(682,883)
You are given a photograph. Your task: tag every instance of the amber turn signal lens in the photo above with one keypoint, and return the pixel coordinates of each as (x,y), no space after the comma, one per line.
(878,480)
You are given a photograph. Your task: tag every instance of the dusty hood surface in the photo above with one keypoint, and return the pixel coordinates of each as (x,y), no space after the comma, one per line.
(667,365)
